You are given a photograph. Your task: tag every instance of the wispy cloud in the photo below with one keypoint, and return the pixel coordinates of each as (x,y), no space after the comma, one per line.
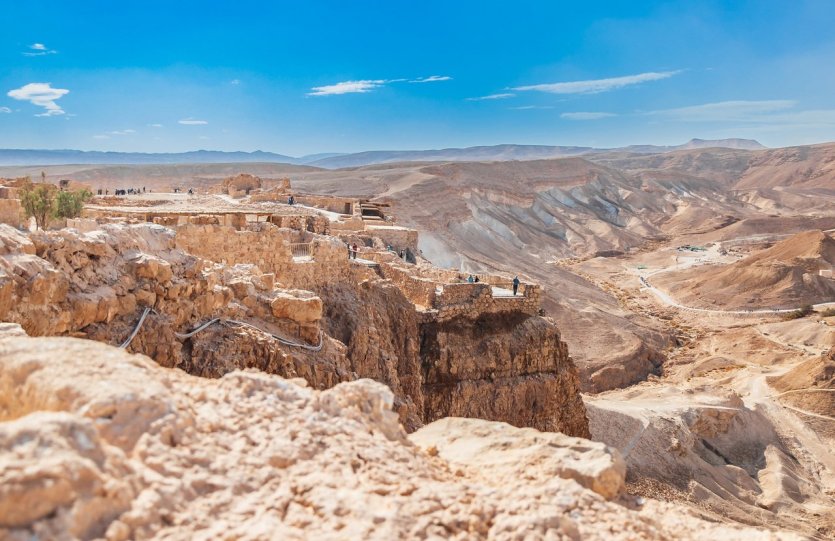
(235,82)
(347,87)
(431,79)
(530,107)
(42,95)
(5,110)
(192,122)
(155,125)
(596,86)
(737,110)
(365,86)
(580,115)
(493,97)
(122,132)
(38,49)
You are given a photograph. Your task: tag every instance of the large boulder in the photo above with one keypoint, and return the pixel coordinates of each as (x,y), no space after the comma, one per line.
(506,454)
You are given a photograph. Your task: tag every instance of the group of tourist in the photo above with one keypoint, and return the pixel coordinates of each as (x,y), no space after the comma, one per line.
(121,191)
(473,279)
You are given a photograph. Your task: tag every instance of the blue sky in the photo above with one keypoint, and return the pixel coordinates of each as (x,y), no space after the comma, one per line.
(308,77)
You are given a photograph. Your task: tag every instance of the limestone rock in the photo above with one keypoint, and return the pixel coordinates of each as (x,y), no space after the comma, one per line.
(256,456)
(297,306)
(504,454)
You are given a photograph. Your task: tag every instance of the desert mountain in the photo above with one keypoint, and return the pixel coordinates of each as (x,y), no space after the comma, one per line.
(334,160)
(61,157)
(515,152)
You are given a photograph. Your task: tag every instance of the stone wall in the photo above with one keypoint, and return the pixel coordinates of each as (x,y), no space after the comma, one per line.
(264,245)
(315,224)
(473,300)
(11,212)
(421,291)
(399,238)
(83,225)
(340,205)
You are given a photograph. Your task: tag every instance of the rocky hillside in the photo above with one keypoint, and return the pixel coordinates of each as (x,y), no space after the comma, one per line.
(98,443)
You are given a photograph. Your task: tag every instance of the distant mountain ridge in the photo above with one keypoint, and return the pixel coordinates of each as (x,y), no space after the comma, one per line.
(332,160)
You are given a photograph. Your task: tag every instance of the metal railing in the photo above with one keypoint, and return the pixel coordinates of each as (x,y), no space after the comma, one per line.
(300,249)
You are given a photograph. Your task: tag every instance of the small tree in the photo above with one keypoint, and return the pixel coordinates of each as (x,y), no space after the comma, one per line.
(69,204)
(38,201)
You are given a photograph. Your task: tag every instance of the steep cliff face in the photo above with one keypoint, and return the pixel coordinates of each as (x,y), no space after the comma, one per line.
(501,366)
(506,366)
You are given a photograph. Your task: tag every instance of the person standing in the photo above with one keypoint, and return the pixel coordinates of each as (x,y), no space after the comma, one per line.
(516,283)
(355,250)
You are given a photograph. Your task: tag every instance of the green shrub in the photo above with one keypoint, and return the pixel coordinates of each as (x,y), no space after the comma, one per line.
(38,201)
(69,204)
(800,312)
(45,201)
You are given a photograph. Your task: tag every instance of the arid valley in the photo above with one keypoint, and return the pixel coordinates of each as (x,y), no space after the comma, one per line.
(677,308)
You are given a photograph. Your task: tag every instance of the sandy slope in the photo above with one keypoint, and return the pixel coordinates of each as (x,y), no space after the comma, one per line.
(784,276)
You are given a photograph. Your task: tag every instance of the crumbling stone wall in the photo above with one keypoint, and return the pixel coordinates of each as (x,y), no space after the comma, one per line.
(399,238)
(261,244)
(315,224)
(11,212)
(420,291)
(475,299)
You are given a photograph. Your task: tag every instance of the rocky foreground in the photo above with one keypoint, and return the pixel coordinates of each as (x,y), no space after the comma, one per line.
(98,443)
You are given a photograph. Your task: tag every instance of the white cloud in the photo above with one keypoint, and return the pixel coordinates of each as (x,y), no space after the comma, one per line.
(5,110)
(493,97)
(38,49)
(347,87)
(368,85)
(737,110)
(235,82)
(586,115)
(431,79)
(529,107)
(42,95)
(101,137)
(155,125)
(192,122)
(122,132)
(596,86)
